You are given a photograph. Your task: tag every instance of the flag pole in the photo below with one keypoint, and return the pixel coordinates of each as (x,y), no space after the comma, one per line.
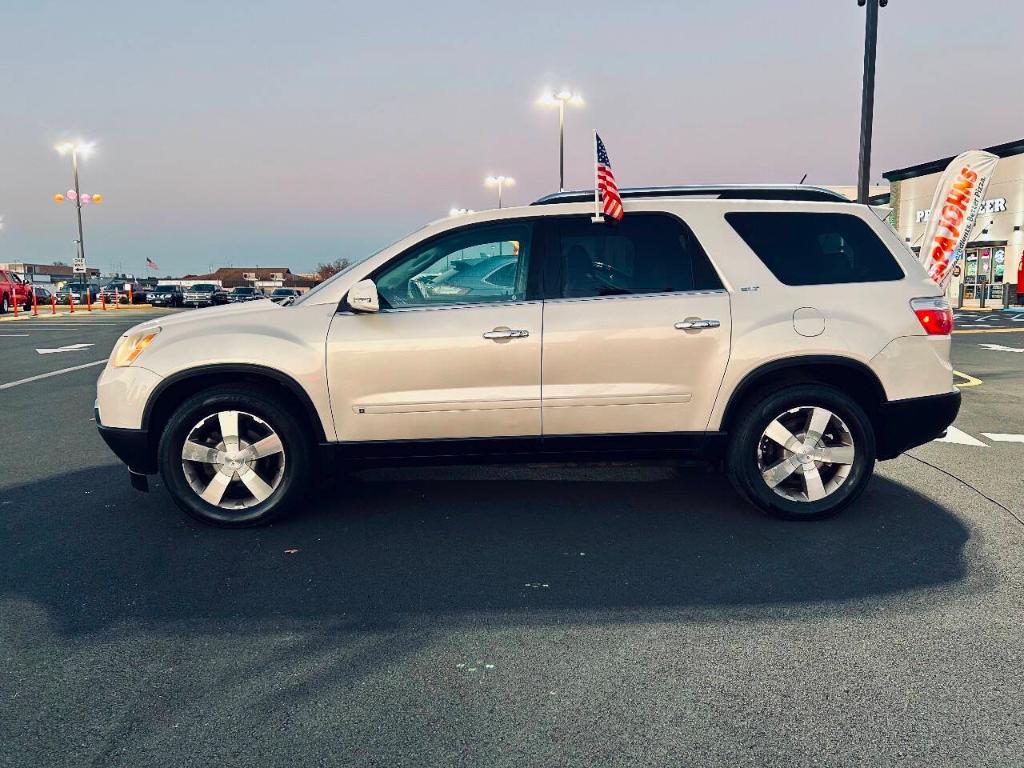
(597,218)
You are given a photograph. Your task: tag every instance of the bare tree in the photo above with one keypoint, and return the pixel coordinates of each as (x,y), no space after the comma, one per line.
(331,268)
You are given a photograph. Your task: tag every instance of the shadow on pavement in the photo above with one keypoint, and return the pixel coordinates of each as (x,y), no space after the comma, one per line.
(376,552)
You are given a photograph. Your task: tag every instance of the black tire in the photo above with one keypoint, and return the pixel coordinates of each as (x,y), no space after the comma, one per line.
(5,304)
(297,452)
(746,449)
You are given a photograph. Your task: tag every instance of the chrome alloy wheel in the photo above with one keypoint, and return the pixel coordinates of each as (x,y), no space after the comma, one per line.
(805,454)
(233,460)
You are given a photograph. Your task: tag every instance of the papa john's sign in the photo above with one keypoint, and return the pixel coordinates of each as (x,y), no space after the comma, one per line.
(959,197)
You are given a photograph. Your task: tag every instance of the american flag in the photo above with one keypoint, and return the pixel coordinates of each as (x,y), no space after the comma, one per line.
(606,186)
(150,264)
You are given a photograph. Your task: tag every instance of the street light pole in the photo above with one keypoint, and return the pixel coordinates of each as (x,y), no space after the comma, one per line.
(561,98)
(499,182)
(867,103)
(78,148)
(78,207)
(561,145)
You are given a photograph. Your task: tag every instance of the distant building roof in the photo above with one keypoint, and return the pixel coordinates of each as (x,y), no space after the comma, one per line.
(1008,149)
(229,277)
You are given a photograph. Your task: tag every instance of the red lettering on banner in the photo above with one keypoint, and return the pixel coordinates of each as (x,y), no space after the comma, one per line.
(969,175)
(959,199)
(954,214)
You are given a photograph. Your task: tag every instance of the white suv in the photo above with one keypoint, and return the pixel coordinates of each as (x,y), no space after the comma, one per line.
(781,330)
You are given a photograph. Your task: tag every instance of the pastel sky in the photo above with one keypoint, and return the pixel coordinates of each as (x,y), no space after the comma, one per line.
(288,133)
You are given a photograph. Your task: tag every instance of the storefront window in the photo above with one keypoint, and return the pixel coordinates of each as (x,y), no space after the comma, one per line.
(998,265)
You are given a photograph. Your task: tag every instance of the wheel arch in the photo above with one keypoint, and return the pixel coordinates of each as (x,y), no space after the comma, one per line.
(843,373)
(175,388)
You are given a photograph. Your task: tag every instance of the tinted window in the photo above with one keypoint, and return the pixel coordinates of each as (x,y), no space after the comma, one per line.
(458,268)
(644,253)
(816,248)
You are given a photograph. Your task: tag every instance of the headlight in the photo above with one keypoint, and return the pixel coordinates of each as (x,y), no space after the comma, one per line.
(131,345)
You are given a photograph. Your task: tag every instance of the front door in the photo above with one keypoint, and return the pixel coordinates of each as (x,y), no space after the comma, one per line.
(636,328)
(455,351)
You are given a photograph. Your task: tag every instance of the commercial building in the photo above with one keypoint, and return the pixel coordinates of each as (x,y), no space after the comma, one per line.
(46,273)
(992,262)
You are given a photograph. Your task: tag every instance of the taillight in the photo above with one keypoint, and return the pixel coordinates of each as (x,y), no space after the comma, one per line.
(934,314)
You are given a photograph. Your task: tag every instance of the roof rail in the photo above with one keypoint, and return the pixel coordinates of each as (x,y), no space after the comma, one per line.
(717,191)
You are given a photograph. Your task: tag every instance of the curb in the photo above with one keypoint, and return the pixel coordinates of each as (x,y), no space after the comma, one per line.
(23,315)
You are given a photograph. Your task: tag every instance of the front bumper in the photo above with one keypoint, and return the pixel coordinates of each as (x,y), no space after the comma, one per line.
(905,424)
(131,446)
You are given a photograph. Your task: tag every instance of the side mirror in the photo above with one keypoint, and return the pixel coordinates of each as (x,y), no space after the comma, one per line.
(362,297)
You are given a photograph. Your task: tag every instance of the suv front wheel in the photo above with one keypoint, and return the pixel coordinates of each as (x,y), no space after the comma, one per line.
(805,451)
(234,457)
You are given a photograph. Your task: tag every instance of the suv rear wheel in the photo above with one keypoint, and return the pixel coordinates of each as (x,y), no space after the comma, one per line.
(233,457)
(803,452)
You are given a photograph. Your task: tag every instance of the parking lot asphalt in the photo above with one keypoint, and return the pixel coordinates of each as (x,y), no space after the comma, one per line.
(620,615)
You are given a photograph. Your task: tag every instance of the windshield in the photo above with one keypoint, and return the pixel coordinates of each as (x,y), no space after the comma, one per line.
(283,292)
(240,289)
(165,288)
(202,287)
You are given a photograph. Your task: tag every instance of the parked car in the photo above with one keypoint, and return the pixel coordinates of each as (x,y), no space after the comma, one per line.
(122,291)
(13,290)
(43,295)
(204,295)
(284,295)
(166,296)
(245,293)
(784,332)
(484,278)
(80,292)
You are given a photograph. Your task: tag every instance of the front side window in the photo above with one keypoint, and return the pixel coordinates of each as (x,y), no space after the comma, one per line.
(816,248)
(643,254)
(475,265)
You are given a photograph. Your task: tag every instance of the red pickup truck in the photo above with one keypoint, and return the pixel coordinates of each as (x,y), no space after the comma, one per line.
(13,290)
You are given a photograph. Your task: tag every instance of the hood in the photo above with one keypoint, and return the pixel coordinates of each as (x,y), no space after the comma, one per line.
(215,314)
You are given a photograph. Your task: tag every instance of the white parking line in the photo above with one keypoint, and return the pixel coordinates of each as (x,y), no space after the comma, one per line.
(66,348)
(958,436)
(1002,438)
(10,384)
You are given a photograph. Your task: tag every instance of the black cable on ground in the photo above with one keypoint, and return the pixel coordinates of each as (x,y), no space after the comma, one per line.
(984,495)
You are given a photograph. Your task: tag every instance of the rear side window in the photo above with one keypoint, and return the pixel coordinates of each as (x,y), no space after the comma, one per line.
(816,248)
(644,253)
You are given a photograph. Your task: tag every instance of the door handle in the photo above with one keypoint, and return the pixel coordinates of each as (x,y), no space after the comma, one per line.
(506,333)
(696,325)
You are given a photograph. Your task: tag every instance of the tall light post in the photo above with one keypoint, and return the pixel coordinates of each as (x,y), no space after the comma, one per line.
(84,149)
(500,182)
(560,99)
(867,99)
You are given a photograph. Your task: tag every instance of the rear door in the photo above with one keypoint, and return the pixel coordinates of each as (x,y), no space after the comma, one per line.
(636,328)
